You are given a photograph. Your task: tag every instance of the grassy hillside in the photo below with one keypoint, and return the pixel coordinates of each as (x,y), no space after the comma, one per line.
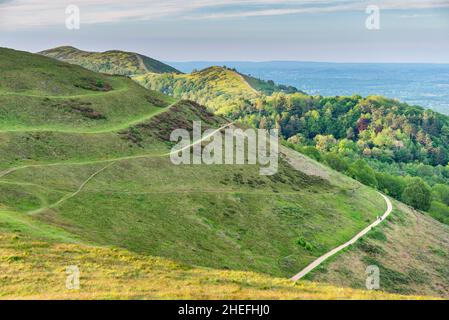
(69,182)
(221,89)
(381,142)
(411,251)
(220,218)
(217,88)
(34,258)
(110,62)
(215,217)
(40,94)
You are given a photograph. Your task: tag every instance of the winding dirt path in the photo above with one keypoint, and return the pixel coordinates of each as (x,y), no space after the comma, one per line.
(138,156)
(71,195)
(111,162)
(324,257)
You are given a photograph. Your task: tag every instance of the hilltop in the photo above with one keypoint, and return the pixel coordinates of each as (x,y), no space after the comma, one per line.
(221,89)
(110,62)
(86,178)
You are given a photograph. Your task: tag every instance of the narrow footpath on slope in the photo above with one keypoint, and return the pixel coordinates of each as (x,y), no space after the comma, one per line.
(324,257)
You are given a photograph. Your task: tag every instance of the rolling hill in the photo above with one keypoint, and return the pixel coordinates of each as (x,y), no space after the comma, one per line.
(222,90)
(86,179)
(111,62)
(381,142)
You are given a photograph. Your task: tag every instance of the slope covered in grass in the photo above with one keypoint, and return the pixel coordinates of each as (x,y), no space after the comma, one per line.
(215,216)
(221,89)
(110,62)
(114,185)
(217,88)
(41,94)
(410,249)
(34,259)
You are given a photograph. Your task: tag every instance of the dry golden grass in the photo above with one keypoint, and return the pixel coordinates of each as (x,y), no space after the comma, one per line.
(37,270)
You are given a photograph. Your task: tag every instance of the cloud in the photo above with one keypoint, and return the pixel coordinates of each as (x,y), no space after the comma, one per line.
(17,14)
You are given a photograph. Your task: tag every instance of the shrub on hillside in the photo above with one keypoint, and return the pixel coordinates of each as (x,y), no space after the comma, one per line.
(439,211)
(362,172)
(417,194)
(391,185)
(336,162)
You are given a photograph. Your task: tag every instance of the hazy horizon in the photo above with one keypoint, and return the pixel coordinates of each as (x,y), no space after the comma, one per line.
(414,31)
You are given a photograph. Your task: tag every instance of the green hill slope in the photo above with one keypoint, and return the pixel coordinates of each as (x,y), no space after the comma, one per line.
(43,253)
(401,249)
(391,141)
(112,184)
(220,220)
(110,62)
(39,93)
(220,89)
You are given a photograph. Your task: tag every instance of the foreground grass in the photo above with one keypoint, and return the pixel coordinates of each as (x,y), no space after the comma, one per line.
(33,268)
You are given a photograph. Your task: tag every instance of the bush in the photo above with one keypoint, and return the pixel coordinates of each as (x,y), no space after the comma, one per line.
(311,152)
(440,193)
(391,185)
(417,194)
(439,211)
(336,162)
(303,243)
(362,172)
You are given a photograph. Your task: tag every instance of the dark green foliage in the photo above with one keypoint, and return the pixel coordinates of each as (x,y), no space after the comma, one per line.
(369,247)
(94,85)
(377,235)
(390,185)
(336,162)
(417,194)
(303,243)
(362,172)
(440,212)
(311,152)
(441,193)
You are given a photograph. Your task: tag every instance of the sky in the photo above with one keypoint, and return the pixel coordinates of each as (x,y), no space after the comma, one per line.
(241,30)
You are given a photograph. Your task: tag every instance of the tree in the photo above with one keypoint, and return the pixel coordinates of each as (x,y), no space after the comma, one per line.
(362,172)
(311,152)
(417,194)
(441,193)
(336,162)
(391,185)
(440,212)
(325,143)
